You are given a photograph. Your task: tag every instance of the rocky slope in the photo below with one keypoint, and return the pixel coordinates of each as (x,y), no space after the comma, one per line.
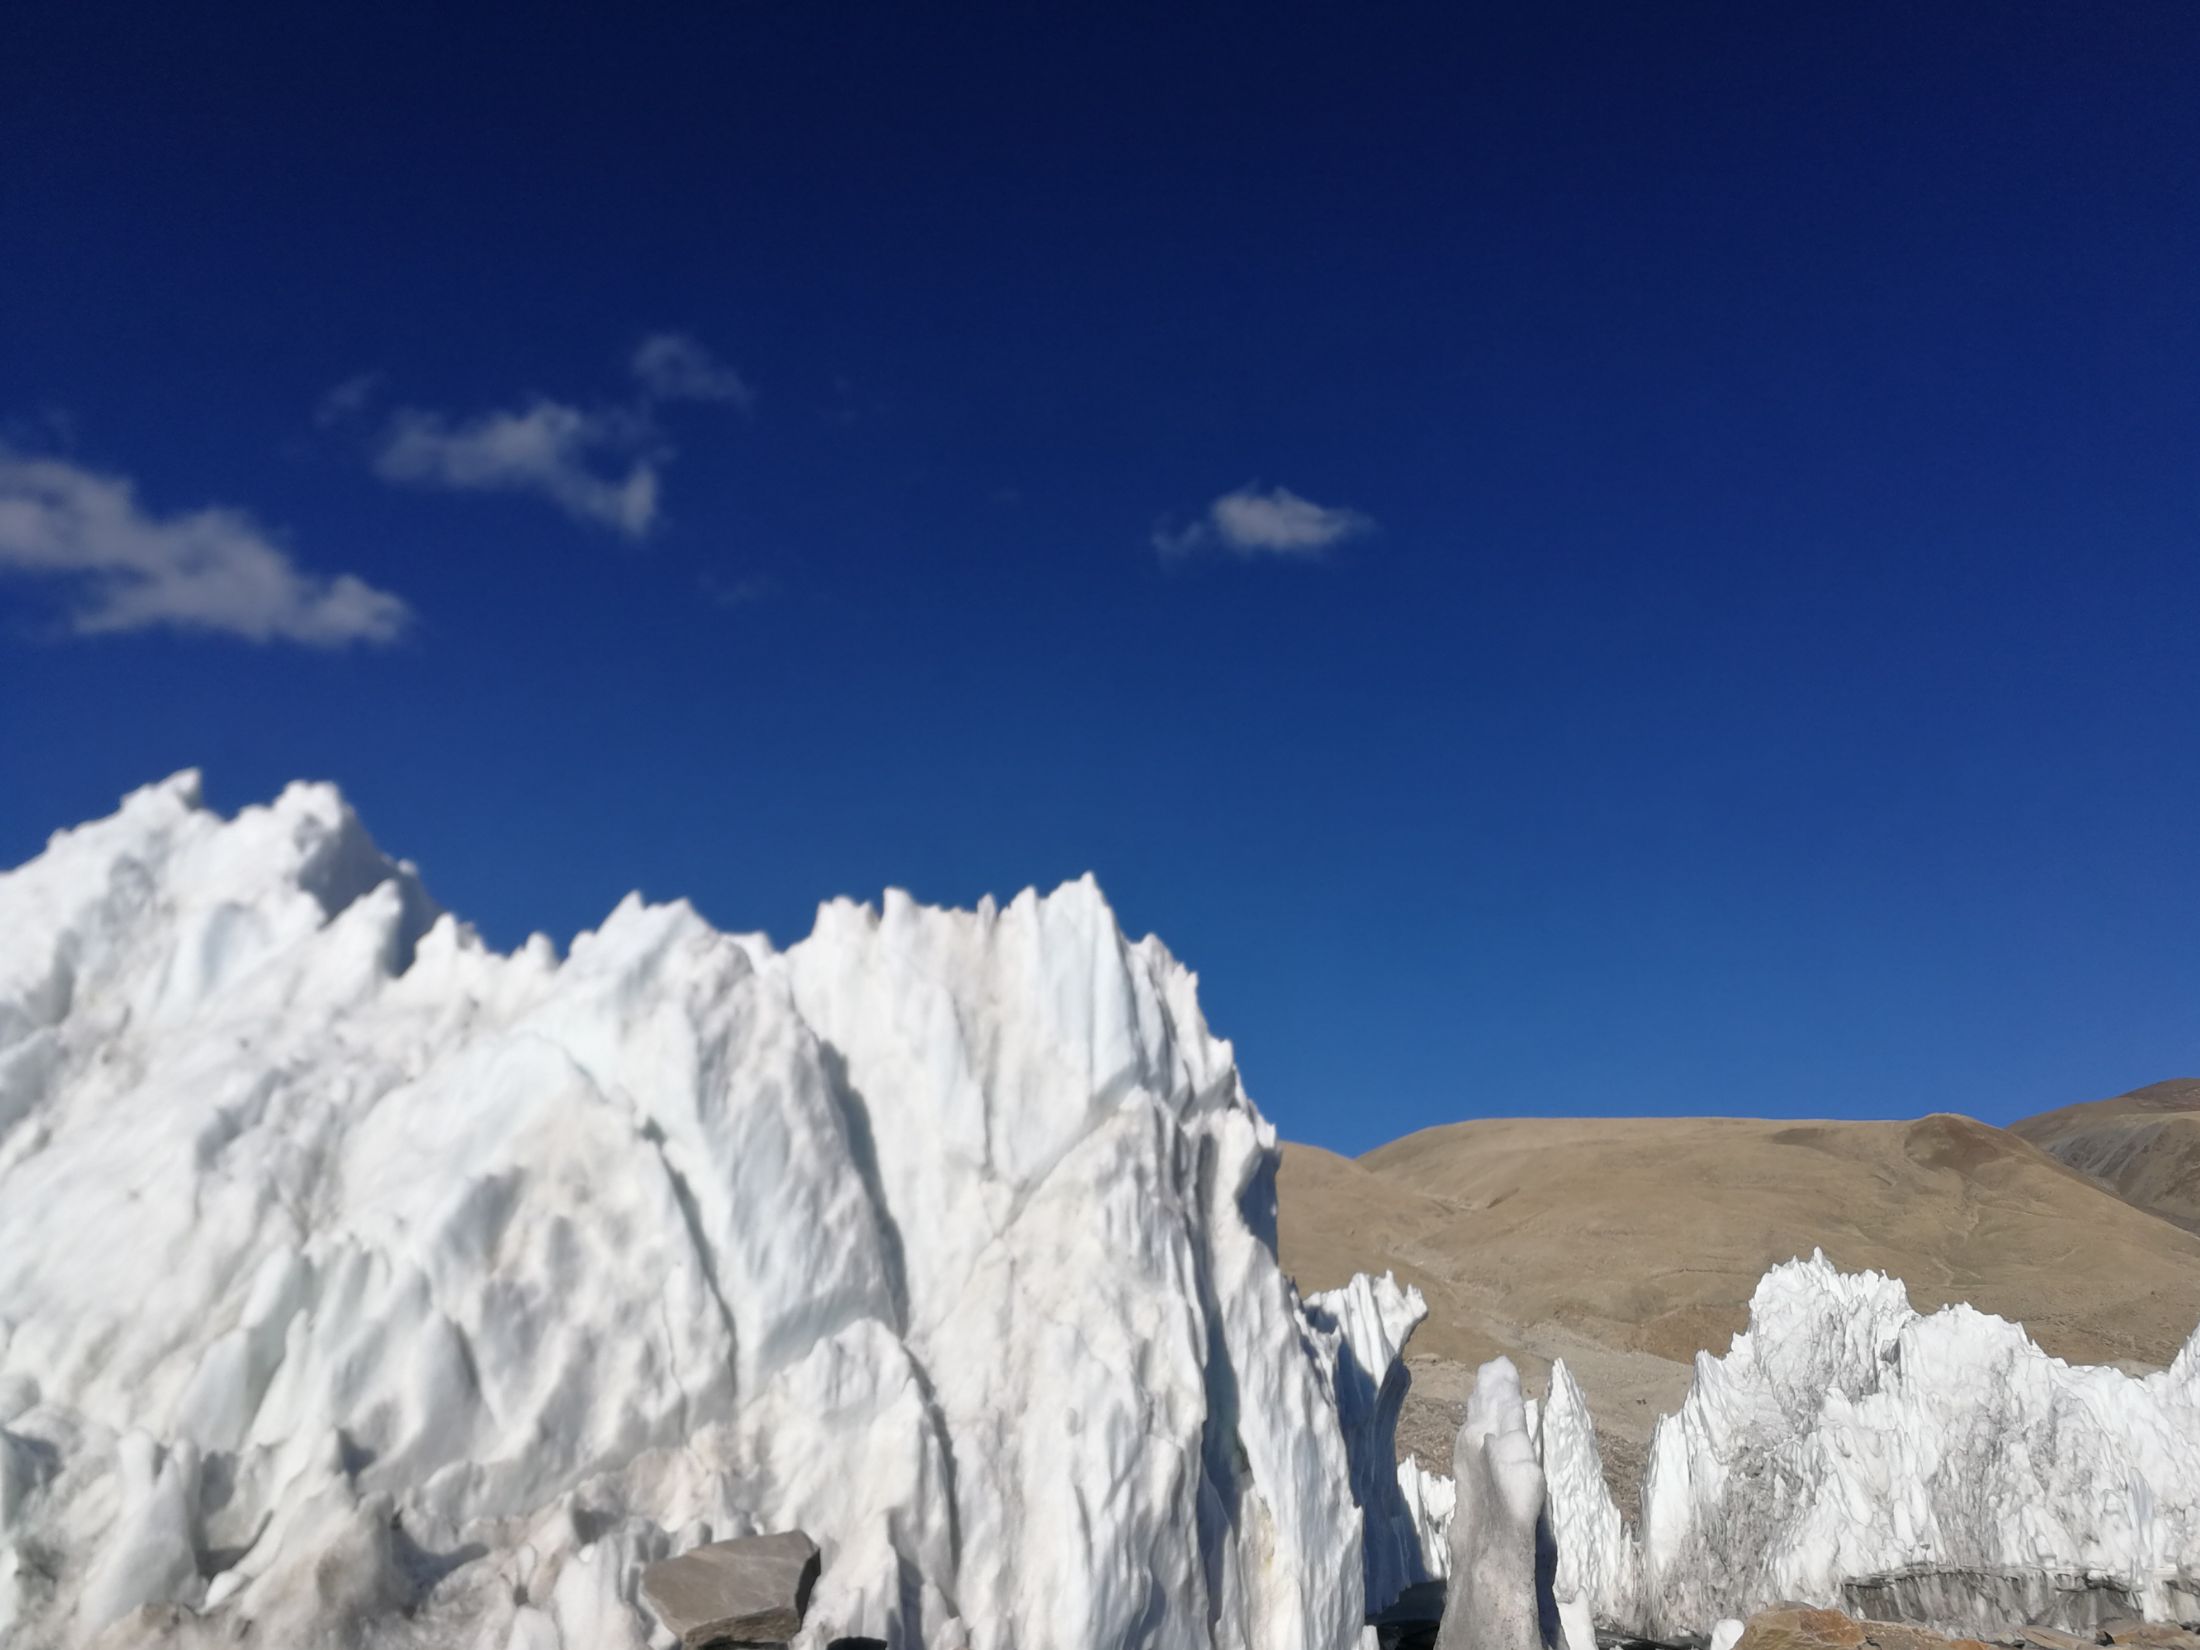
(2143,1146)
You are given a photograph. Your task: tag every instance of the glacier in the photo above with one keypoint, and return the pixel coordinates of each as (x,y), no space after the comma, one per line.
(363,1285)
(1850,1452)
(1938,1467)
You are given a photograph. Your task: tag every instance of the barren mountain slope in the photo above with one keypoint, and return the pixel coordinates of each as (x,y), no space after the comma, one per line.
(2144,1146)
(1626,1246)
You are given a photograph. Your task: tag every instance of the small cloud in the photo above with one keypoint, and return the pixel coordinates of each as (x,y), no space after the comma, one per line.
(1282,523)
(1173,541)
(214,570)
(347,400)
(672,366)
(741,592)
(546,448)
(1250,523)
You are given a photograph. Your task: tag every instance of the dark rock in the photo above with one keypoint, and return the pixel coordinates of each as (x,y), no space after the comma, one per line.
(749,1591)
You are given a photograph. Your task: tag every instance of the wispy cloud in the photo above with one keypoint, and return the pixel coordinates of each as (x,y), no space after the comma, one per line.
(547,448)
(214,570)
(1251,523)
(603,464)
(671,366)
(347,400)
(736,592)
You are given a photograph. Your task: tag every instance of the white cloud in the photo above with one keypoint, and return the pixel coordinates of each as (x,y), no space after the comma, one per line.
(547,448)
(1281,522)
(1250,523)
(347,400)
(212,570)
(671,366)
(602,464)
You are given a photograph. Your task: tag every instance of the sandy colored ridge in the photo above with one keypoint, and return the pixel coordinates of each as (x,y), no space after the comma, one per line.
(1628,1245)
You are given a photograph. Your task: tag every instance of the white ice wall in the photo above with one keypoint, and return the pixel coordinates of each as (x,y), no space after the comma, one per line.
(355,1276)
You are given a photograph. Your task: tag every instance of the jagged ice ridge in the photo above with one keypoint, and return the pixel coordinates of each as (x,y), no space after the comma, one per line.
(1849,1451)
(362,1284)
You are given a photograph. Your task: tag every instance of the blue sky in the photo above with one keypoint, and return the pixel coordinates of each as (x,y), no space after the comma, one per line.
(1568,559)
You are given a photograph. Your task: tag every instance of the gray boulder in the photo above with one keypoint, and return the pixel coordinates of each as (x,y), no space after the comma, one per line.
(749,1591)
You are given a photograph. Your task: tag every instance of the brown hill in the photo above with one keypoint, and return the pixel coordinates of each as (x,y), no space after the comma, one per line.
(1626,1246)
(2143,1146)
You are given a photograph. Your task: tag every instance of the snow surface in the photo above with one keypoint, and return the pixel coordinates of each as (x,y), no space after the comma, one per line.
(361,1284)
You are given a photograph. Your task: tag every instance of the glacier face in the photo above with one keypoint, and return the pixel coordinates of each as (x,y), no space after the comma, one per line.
(358,1279)
(1851,1452)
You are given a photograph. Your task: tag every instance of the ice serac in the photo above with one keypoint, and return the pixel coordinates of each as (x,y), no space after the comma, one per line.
(1429,1499)
(1852,1453)
(358,1279)
(1849,1451)
(1599,1569)
(1362,1330)
(1499,1595)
